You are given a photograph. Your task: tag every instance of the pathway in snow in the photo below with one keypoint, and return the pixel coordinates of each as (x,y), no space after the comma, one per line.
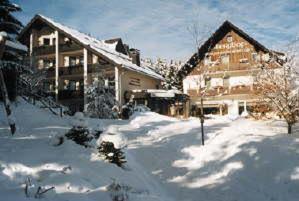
(242,159)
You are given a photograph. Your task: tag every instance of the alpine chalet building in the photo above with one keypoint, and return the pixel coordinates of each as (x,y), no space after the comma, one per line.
(73,60)
(223,71)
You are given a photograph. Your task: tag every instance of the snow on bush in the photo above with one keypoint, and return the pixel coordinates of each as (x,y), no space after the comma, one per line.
(101,100)
(112,154)
(79,133)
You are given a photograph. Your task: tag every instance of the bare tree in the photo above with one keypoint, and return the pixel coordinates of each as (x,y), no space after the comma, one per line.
(199,34)
(279,87)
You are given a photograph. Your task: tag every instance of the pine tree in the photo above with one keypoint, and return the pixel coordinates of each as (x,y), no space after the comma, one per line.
(9,28)
(100,99)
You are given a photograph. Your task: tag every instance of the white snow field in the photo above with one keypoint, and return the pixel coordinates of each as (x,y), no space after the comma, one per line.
(242,160)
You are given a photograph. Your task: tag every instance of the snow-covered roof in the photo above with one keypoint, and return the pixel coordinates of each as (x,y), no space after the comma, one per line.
(101,47)
(161,93)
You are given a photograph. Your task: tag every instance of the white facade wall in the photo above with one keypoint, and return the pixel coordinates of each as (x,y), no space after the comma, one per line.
(240,80)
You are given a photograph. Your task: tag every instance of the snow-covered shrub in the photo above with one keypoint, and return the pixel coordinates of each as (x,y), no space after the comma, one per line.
(101,100)
(112,154)
(118,191)
(79,133)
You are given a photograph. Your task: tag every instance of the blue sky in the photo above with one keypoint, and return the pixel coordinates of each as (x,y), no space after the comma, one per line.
(159,27)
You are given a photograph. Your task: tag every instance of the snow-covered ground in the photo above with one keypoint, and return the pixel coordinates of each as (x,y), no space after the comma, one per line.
(241,160)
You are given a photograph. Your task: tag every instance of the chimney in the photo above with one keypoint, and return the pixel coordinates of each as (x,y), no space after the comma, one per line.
(127,49)
(135,55)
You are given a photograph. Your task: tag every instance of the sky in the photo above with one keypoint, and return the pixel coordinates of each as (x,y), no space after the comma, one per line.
(159,28)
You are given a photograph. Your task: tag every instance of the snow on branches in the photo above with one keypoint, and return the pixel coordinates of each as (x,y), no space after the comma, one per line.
(168,70)
(100,99)
(278,85)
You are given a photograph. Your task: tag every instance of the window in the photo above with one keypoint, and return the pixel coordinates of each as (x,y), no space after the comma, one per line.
(208,82)
(255,57)
(46,41)
(229,39)
(72,61)
(224,59)
(226,81)
(81,60)
(48,63)
(66,84)
(72,85)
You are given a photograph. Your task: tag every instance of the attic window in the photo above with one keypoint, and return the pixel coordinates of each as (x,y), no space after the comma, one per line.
(229,39)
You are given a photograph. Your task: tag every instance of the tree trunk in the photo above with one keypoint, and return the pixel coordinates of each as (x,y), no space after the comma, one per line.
(201,122)
(289,128)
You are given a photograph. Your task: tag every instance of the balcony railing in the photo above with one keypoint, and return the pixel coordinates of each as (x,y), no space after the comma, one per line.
(71,70)
(218,91)
(68,47)
(231,67)
(70,94)
(50,49)
(76,70)
(45,49)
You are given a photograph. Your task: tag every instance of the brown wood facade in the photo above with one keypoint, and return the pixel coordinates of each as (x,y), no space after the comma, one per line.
(225,66)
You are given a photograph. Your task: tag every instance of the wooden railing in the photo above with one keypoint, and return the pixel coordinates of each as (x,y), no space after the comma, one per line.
(70,94)
(50,49)
(231,67)
(76,70)
(71,70)
(217,91)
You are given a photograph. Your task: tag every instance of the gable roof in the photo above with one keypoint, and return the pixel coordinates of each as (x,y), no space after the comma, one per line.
(213,40)
(101,47)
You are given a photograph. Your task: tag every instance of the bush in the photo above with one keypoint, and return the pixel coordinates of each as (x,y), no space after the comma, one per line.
(79,135)
(112,154)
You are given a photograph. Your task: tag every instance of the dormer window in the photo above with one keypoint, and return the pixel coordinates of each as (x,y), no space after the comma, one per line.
(229,39)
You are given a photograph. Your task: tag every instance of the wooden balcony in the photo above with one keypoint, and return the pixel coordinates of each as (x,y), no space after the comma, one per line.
(69,47)
(70,94)
(77,70)
(43,50)
(231,67)
(221,91)
(71,70)
(242,89)
(50,49)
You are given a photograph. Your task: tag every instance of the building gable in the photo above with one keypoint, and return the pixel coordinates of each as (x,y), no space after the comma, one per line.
(217,43)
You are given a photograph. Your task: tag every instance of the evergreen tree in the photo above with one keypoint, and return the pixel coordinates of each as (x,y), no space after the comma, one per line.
(9,28)
(100,99)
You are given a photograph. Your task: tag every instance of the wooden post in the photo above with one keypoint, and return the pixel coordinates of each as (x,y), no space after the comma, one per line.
(56,65)
(117,95)
(202,119)
(85,60)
